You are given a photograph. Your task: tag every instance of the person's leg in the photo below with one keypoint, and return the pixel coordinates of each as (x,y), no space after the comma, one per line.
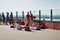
(3,21)
(20,28)
(7,22)
(10,21)
(38,28)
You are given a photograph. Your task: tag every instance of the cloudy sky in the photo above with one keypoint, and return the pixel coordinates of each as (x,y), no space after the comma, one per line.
(13,5)
(23,5)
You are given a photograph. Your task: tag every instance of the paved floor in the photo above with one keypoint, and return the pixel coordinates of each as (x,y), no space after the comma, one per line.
(7,33)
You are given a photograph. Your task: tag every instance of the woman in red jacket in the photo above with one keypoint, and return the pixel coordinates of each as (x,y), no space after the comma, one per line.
(28,16)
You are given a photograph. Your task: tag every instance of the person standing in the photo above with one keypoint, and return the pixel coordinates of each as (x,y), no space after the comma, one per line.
(3,17)
(7,18)
(31,16)
(11,18)
(28,16)
(28,19)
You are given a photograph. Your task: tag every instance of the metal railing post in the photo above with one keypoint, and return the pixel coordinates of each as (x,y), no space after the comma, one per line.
(51,14)
(40,15)
(23,15)
(16,14)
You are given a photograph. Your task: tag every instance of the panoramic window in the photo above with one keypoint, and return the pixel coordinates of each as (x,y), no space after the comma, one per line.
(14,15)
(45,15)
(36,14)
(56,15)
(19,14)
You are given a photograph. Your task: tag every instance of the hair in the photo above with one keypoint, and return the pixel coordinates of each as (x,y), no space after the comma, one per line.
(17,22)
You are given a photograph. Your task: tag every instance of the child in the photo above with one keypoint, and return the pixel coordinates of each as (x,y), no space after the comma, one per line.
(17,25)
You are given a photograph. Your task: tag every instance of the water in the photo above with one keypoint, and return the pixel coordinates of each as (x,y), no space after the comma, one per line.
(45,14)
(48,19)
(37,18)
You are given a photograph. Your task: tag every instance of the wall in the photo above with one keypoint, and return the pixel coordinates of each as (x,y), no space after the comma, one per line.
(52,25)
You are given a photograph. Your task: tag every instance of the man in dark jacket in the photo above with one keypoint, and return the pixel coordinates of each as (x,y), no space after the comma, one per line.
(3,17)
(7,18)
(11,18)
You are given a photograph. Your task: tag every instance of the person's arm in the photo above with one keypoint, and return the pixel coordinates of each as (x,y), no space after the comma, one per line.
(41,25)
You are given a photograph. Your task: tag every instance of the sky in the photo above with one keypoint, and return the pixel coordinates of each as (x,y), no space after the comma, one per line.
(23,5)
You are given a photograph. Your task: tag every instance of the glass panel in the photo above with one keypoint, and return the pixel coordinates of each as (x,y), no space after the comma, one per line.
(36,14)
(19,14)
(56,15)
(14,15)
(45,15)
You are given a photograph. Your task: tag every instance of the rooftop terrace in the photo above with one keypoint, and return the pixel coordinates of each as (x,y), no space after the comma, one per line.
(6,33)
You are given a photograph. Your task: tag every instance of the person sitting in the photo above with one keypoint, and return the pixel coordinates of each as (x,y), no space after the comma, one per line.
(42,25)
(12,25)
(34,25)
(27,28)
(18,26)
(38,26)
(22,22)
